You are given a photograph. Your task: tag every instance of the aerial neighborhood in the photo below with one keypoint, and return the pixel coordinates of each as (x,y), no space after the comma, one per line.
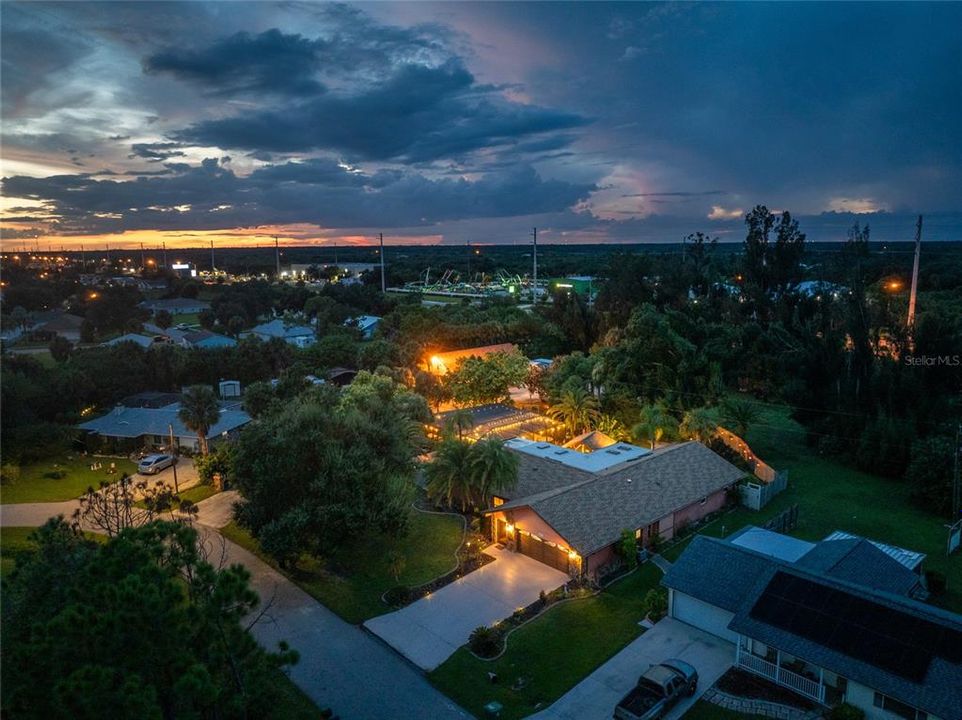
(452,360)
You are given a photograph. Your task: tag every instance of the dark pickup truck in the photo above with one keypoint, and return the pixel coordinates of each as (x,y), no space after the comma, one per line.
(657,691)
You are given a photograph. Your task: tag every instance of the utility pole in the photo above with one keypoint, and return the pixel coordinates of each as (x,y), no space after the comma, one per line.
(534,288)
(108,255)
(212,268)
(143,258)
(335,253)
(469,261)
(915,274)
(383,282)
(956,487)
(164,245)
(277,257)
(170,429)
(83,259)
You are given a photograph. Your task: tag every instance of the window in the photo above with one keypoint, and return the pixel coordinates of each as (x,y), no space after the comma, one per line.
(703,500)
(898,708)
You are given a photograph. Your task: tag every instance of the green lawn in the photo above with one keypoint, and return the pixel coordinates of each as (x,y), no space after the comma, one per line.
(32,486)
(702,710)
(186,318)
(293,703)
(552,653)
(352,581)
(832,496)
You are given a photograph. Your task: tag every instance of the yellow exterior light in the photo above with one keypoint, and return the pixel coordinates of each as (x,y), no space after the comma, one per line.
(509,528)
(572,555)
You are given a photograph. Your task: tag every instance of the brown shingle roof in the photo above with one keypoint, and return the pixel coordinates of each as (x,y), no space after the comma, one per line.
(590,511)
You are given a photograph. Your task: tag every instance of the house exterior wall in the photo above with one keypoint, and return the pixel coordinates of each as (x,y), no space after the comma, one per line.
(863,697)
(696,511)
(599,559)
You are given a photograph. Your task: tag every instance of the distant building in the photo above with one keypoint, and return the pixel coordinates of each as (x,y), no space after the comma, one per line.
(176,306)
(206,339)
(143,341)
(137,427)
(56,323)
(444,362)
(297,335)
(367,324)
(579,284)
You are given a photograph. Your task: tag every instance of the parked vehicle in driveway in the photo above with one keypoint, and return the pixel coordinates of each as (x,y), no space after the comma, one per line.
(657,691)
(153,464)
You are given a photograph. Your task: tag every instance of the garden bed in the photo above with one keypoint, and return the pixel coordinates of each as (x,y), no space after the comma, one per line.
(746,685)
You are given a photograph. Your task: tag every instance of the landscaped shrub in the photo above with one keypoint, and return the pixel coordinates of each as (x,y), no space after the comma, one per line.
(485,641)
(9,473)
(398,596)
(656,604)
(628,548)
(846,712)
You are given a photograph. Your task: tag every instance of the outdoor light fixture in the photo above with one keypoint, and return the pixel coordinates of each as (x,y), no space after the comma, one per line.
(509,528)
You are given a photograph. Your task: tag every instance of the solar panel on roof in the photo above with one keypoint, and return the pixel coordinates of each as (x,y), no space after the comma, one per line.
(892,639)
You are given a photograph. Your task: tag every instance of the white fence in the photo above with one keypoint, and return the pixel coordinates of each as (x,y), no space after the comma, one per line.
(799,683)
(757,495)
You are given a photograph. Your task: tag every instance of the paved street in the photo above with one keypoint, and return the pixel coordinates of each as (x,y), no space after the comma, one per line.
(341,666)
(428,631)
(217,510)
(595,697)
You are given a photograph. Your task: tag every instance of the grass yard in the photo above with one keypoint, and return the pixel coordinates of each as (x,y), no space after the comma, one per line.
(14,541)
(702,710)
(34,485)
(552,653)
(832,496)
(293,703)
(186,318)
(351,582)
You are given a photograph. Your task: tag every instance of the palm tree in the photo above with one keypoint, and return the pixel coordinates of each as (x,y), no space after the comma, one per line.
(577,409)
(699,425)
(652,423)
(612,427)
(493,469)
(447,475)
(740,414)
(460,421)
(199,410)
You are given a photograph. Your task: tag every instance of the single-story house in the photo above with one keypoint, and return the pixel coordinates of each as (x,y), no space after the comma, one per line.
(444,362)
(367,324)
(151,426)
(834,621)
(144,341)
(340,376)
(176,306)
(297,335)
(151,399)
(206,339)
(570,508)
(56,323)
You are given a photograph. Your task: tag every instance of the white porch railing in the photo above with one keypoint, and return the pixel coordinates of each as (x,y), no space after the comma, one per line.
(799,683)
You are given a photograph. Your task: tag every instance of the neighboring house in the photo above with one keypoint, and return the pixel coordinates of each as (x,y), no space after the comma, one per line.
(340,376)
(367,324)
(143,341)
(136,427)
(176,306)
(569,508)
(56,323)
(297,335)
(206,339)
(444,362)
(834,621)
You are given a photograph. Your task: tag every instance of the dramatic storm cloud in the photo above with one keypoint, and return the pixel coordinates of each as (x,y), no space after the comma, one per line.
(619,122)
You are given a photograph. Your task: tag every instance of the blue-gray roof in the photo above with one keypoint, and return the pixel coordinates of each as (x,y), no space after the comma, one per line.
(278,328)
(126,422)
(736,578)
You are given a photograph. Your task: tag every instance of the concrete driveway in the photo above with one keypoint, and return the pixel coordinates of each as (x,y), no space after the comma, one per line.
(428,631)
(595,697)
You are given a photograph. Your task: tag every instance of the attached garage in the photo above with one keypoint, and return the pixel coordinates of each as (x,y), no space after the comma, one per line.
(535,547)
(702,615)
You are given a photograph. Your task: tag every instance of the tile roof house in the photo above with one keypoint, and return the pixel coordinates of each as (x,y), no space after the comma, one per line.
(58,323)
(366,324)
(206,339)
(569,508)
(297,335)
(834,621)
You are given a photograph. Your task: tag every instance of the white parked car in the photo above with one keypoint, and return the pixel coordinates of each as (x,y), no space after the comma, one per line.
(153,464)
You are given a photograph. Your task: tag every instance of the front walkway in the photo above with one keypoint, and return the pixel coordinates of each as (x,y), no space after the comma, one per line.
(595,697)
(428,631)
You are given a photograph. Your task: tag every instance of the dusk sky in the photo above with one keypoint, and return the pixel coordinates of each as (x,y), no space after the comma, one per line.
(182,123)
